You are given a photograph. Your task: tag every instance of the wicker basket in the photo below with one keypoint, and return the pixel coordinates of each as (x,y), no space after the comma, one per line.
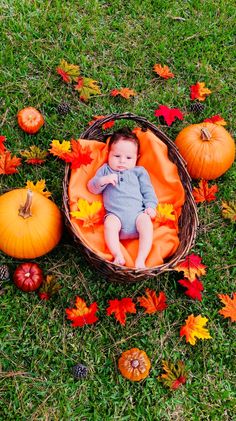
(188,220)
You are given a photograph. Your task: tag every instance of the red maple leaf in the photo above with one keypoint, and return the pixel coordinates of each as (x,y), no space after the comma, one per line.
(194,288)
(82,315)
(8,164)
(169,114)
(192,266)
(79,155)
(105,126)
(2,140)
(204,193)
(65,76)
(152,302)
(120,308)
(216,119)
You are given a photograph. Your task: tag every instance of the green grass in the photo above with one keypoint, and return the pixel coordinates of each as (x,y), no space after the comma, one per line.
(116,43)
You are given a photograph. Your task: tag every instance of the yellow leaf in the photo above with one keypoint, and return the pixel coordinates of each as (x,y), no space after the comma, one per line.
(87,87)
(229,210)
(59,149)
(166,210)
(89,213)
(67,71)
(39,187)
(194,328)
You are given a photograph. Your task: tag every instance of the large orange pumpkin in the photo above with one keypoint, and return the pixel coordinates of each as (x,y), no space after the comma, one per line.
(134,364)
(30,224)
(30,120)
(208,149)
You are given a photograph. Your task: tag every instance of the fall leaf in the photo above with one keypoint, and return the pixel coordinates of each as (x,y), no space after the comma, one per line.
(60,149)
(194,288)
(79,155)
(229,210)
(2,147)
(199,91)
(124,92)
(153,303)
(82,315)
(39,187)
(105,126)
(191,267)
(169,114)
(216,119)
(49,287)
(166,215)
(120,308)
(8,163)
(68,72)
(34,155)
(230,306)
(87,87)
(90,214)
(163,71)
(204,193)
(175,374)
(194,329)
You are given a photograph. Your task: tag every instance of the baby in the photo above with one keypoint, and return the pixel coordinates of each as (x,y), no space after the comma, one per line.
(129,198)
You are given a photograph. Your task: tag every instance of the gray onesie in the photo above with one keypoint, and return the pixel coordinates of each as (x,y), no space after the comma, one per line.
(128,198)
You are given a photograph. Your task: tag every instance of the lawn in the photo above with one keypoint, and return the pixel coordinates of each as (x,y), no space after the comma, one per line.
(116,43)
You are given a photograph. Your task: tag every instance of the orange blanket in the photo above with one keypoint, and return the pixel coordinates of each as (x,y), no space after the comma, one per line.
(168,187)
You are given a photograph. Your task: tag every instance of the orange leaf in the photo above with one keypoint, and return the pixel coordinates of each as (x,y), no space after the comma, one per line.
(230,306)
(120,308)
(124,92)
(89,213)
(199,91)
(204,193)
(152,303)
(216,119)
(8,164)
(105,126)
(163,71)
(191,267)
(60,149)
(194,328)
(82,315)
(79,155)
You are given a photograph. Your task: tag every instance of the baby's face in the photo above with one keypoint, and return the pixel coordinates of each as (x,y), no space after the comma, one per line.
(122,155)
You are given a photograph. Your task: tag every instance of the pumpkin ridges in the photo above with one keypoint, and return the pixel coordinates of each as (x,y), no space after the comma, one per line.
(130,372)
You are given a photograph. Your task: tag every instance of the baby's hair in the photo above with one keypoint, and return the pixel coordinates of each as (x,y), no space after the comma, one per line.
(124,134)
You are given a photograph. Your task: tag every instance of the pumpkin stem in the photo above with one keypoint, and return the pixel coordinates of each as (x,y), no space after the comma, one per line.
(24,210)
(205,134)
(135,363)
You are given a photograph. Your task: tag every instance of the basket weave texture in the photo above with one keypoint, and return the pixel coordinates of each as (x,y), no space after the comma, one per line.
(188,221)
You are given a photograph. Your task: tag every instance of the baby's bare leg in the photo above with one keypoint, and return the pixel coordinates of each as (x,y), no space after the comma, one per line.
(145,230)
(112,226)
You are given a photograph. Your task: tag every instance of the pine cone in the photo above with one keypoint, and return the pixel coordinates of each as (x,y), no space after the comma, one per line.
(4,272)
(79,371)
(197,107)
(63,108)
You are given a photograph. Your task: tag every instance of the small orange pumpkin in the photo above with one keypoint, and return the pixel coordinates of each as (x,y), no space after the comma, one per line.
(30,224)
(30,120)
(207,148)
(134,364)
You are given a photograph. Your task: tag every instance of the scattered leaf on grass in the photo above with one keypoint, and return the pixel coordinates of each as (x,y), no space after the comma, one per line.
(49,287)
(153,303)
(230,306)
(199,91)
(216,119)
(8,163)
(82,315)
(194,329)
(175,374)
(124,92)
(34,155)
(204,193)
(194,288)
(229,210)
(192,266)
(120,308)
(163,71)
(169,114)
(39,186)
(60,149)
(68,72)
(87,87)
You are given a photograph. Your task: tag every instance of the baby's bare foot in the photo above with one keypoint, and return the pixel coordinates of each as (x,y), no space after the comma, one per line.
(140,264)
(119,260)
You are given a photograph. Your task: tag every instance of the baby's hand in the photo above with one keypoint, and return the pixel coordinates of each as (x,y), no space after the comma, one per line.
(109,179)
(151,212)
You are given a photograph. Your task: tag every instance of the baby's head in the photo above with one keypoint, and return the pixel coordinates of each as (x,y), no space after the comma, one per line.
(123,150)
